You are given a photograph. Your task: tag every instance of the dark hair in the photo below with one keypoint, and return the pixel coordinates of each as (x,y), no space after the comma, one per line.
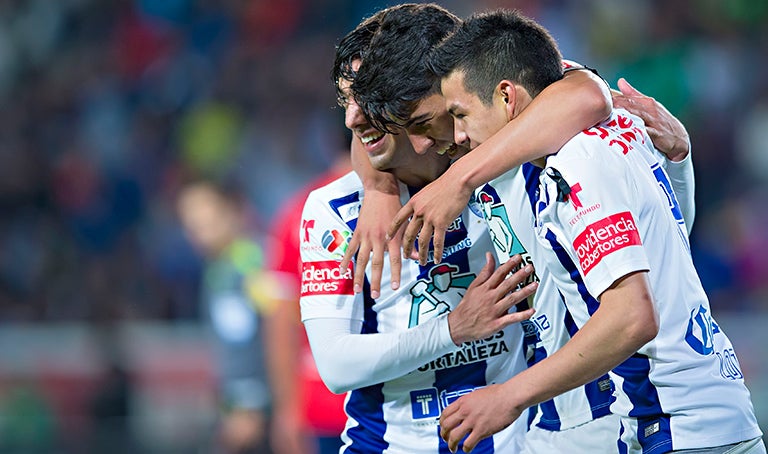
(352,47)
(497,45)
(393,77)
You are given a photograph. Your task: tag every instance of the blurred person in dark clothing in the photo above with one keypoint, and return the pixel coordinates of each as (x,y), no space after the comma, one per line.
(214,217)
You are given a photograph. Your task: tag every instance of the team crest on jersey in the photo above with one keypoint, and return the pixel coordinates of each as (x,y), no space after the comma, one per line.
(495,214)
(438,294)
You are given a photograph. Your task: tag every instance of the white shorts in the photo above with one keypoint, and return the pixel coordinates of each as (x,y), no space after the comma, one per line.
(599,435)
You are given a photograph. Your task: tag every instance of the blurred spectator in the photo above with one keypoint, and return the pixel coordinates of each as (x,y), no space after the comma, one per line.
(314,417)
(216,222)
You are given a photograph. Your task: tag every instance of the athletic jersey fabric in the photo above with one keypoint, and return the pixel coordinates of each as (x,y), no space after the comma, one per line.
(507,204)
(605,208)
(402,377)
(510,220)
(509,215)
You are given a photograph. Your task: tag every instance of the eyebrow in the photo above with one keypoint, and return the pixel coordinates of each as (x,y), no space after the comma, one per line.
(419,119)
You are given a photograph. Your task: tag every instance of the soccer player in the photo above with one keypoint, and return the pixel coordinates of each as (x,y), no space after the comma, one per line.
(610,231)
(578,101)
(406,355)
(418,107)
(560,423)
(213,216)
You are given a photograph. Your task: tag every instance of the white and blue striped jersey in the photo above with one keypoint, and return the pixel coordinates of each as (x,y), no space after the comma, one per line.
(605,208)
(507,206)
(396,408)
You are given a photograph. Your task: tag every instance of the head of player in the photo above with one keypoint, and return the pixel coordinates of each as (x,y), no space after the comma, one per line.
(395,88)
(387,151)
(491,68)
(212,216)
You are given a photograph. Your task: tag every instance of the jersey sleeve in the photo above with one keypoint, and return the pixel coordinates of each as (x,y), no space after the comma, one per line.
(681,177)
(326,291)
(333,314)
(347,360)
(591,214)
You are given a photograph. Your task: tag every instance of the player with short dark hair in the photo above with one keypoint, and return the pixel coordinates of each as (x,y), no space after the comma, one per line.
(610,230)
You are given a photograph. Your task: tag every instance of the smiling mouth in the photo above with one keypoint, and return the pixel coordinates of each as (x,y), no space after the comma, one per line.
(371,138)
(450,149)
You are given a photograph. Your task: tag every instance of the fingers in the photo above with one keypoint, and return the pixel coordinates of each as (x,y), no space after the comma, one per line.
(400,218)
(438,243)
(424,238)
(395,264)
(470,442)
(515,280)
(377,267)
(517,317)
(487,271)
(409,237)
(352,248)
(500,275)
(628,89)
(362,262)
(452,429)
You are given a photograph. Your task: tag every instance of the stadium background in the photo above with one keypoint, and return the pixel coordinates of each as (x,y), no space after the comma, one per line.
(106,105)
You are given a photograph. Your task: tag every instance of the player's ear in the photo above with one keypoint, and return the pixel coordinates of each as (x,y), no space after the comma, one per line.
(506,90)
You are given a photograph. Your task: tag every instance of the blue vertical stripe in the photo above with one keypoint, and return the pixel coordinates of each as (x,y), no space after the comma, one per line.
(531,174)
(646,406)
(590,301)
(599,399)
(365,405)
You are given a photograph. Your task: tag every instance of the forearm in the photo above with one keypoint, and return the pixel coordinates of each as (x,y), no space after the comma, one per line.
(373,180)
(625,322)
(347,360)
(283,355)
(558,113)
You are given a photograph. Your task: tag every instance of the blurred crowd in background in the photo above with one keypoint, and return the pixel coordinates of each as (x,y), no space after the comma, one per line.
(107,107)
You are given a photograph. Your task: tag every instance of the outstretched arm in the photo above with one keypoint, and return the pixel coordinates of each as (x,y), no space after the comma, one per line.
(348,360)
(625,321)
(380,205)
(558,113)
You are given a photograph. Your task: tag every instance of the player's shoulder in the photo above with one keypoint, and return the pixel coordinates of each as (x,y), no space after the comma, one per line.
(337,202)
(602,148)
(620,124)
(347,185)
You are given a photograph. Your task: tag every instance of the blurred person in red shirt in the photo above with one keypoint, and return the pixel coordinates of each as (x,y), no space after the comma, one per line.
(308,418)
